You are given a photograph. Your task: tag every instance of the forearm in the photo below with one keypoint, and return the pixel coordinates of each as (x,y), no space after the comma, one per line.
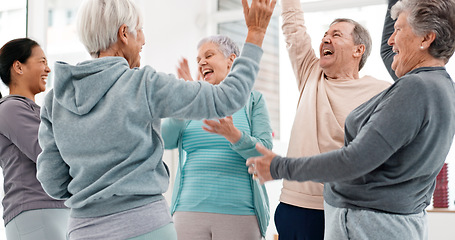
(246,146)
(358,158)
(53,174)
(386,51)
(184,99)
(298,42)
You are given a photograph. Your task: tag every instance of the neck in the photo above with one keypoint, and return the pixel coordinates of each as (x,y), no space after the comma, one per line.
(431,62)
(22,92)
(112,51)
(334,75)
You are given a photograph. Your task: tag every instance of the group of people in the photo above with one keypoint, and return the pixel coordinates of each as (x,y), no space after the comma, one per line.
(362,158)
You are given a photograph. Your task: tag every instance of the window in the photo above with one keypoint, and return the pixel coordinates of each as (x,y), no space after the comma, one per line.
(267,81)
(13,24)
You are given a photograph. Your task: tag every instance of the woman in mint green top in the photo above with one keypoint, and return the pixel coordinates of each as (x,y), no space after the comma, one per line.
(212,180)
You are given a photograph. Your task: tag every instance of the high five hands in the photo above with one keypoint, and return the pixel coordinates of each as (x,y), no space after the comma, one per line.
(260,166)
(257,18)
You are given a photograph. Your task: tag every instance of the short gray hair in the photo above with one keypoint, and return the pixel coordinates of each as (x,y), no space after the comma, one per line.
(427,16)
(360,36)
(98,22)
(225,44)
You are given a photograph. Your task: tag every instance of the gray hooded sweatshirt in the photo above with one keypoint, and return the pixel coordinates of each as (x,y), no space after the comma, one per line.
(100,130)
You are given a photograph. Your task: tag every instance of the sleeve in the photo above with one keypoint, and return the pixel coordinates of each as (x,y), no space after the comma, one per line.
(386,51)
(261,131)
(394,123)
(52,171)
(21,127)
(298,42)
(170,97)
(170,131)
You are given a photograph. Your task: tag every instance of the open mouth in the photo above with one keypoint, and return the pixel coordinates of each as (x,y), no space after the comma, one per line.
(327,52)
(206,73)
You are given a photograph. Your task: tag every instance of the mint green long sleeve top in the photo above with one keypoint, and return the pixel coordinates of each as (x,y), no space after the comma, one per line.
(260,132)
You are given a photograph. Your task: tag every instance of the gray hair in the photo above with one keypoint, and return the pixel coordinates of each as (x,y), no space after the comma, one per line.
(360,36)
(225,44)
(98,22)
(427,16)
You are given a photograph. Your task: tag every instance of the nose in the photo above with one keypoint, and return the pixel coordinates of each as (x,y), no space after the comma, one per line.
(326,39)
(202,62)
(47,69)
(391,40)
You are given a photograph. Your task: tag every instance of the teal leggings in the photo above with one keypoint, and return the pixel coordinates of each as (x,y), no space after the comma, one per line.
(163,233)
(40,224)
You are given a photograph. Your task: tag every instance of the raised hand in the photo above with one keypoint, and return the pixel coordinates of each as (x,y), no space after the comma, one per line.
(257,18)
(183,70)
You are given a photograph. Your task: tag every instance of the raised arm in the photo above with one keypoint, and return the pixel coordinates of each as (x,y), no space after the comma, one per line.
(386,51)
(198,100)
(298,42)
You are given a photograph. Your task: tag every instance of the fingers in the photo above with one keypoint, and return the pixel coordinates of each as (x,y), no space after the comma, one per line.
(250,161)
(211,123)
(183,70)
(246,8)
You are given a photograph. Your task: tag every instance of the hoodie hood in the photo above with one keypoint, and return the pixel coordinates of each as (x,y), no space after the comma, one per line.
(79,88)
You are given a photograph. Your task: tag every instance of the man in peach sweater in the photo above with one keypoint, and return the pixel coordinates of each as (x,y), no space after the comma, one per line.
(330,88)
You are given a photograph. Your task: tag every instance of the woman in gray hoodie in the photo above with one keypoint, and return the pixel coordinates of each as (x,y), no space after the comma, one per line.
(100,131)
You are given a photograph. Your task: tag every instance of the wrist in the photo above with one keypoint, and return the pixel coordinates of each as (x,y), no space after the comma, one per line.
(235,136)
(255,36)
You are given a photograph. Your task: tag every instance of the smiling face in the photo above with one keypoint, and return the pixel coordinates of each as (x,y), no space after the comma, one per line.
(213,65)
(337,49)
(35,71)
(406,44)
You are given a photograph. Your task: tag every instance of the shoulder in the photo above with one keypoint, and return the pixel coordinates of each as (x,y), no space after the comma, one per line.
(13,107)
(13,103)
(255,98)
(256,94)
(375,81)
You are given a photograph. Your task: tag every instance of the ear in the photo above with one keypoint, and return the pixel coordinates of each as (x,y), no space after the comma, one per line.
(359,50)
(231,60)
(427,40)
(17,67)
(122,34)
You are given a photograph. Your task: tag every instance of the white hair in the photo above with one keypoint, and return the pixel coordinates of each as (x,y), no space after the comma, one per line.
(225,44)
(98,22)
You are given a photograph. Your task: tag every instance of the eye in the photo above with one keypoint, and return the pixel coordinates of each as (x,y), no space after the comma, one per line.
(337,35)
(209,56)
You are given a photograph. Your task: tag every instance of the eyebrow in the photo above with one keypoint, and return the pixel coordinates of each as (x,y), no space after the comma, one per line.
(334,31)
